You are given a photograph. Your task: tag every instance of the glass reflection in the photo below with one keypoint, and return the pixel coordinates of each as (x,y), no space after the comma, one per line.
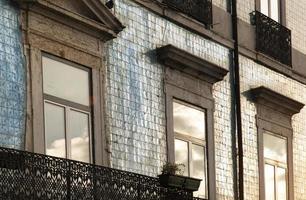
(264,7)
(275,10)
(55,130)
(281,184)
(79,136)
(269,182)
(275,148)
(64,81)
(198,168)
(188,121)
(181,155)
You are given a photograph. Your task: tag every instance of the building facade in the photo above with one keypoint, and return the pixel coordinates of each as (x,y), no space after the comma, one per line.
(143,82)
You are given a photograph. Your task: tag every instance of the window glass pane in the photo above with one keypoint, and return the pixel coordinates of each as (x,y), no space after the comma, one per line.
(275,148)
(66,82)
(181,155)
(281,184)
(188,121)
(198,168)
(79,136)
(264,7)
(275,10)
(55,130)
(269,182)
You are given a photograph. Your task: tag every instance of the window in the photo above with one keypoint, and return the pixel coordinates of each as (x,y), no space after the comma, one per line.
(189,110)
(271,8)
(275,150)
(275,167)
(67,111)
(190,149)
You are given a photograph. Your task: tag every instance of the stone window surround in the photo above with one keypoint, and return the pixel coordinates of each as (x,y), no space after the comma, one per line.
(189,78)
(38,39)
(274,113)
(188,139)
(221,32)
(38,111)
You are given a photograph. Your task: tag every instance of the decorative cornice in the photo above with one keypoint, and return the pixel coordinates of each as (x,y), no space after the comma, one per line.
(104,14)
(276,101)
(109,26)
(184,61)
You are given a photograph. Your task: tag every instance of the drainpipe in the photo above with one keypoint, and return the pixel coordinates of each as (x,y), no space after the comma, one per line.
(238,154)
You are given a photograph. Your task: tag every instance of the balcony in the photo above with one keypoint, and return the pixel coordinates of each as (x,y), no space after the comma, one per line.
(200,10)
(272,38)
(25,175)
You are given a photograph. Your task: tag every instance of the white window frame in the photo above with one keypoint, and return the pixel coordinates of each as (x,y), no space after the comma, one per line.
(68,106)
(282,10)
(67,110)
(276,165)
(196,141)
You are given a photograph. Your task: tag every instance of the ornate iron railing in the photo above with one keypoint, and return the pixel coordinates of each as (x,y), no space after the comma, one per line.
(272,38)
(200,10)
(30,176)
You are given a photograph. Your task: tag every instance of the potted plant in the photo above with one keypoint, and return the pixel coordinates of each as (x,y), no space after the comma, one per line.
(171,177)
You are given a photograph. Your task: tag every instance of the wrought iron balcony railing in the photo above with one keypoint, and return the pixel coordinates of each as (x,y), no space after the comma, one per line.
(200,10)
(30,176)
(272,38)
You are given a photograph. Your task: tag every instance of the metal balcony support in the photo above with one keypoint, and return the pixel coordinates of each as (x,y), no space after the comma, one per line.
(201,10)
(272,38)
(25,175)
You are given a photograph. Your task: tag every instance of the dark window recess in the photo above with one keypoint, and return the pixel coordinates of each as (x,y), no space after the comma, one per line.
(37,176)
(272,38)
(200,10)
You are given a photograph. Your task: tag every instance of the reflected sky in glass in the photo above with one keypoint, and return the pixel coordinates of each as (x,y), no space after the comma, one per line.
(275,148)
(275,10)
(281,184)
(272,10)
(188,121)
(198,163)
(269,182)
(181,155)
(66,82)
(79,136)
(264,7)
(55,130)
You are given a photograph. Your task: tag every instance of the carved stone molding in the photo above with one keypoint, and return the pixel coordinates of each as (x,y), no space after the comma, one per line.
(276,101)
(184,61)
(104,25)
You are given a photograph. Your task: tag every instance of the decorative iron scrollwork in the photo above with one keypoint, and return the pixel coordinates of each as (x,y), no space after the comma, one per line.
(272,38)
(26,176)
(200,10)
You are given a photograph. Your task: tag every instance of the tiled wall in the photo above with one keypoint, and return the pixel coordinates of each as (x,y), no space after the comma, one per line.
(296,21)
(254,75)
(223,139)
(12,78)
(244,8)
(135,98)
(221,3)
(136,108)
